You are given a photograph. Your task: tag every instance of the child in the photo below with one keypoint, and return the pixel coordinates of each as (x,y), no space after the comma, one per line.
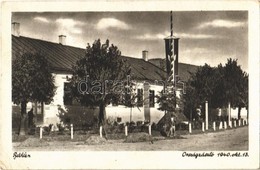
(172,126)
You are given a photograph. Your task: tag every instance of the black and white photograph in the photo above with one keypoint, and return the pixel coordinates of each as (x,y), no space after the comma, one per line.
(137,88)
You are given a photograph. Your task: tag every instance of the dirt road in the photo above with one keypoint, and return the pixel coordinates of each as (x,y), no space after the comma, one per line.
(227,140)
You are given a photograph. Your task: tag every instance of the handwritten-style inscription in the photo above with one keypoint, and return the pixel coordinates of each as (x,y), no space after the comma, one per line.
(21,155)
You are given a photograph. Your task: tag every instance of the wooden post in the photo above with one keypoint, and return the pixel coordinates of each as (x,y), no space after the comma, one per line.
(214,126)
(100,131)
(206,115)
(150,130)
(40,132)
(229,114)
(126,131)
(220,125)
(71,131)
(202,127)
(225,125)
(190,128)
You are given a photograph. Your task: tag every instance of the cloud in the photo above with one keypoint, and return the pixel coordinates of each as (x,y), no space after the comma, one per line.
(150,37)
(105,23)
(195,36)
(222,23)
(160,36)
(69,25)
(41,19)
(198,50)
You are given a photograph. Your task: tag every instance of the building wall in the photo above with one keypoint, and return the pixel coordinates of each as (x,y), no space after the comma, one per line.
(113,112)
(51,110)
(138,114)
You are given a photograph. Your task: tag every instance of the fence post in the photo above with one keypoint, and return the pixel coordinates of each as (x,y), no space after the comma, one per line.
(71,131)
(206,115)
(150,130)
(126,130)
(100,131)
(40,132)
(202,127)
(214,126)
(220,125)
(225,125)
(190,128)
(229,113)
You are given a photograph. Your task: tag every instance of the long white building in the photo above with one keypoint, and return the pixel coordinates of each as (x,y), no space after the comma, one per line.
(62,57)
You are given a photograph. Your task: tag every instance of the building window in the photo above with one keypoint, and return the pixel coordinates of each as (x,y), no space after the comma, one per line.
(67,98)
(139,97)
(151,98)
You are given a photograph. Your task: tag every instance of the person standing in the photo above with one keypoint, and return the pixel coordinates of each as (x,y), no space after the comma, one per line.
(30,118)
(172,126)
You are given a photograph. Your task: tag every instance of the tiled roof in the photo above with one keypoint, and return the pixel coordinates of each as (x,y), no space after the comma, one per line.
(184,69)
(62,57)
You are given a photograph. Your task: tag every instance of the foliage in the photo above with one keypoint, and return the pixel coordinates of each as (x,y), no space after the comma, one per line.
(32,81)
(217,85)
(204,82)
(101,68)
(190,101)
(130,98)
(236,83)
(81,117)
(167,101)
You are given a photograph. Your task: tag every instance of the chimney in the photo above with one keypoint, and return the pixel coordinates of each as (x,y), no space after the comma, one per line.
(16,29)
(62,39)
(145,55)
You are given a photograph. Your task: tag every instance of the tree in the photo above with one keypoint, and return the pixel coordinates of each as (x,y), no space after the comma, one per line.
(32,81)
(200,88)
(171,105)
(98,76)
(130,98)
(204,81)
(235,82)
(219,86)
(167,101)
(190,101)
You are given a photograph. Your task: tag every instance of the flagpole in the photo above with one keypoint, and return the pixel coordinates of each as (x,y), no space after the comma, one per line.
(171,25)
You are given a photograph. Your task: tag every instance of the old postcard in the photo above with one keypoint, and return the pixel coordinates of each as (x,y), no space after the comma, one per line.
(130,85)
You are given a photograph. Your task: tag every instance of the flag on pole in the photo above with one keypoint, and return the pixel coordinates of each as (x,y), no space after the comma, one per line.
(171,49)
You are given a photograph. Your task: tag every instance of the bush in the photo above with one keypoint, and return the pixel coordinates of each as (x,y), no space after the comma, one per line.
(82,118)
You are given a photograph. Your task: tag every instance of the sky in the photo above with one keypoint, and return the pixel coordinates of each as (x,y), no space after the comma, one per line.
(205,36)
